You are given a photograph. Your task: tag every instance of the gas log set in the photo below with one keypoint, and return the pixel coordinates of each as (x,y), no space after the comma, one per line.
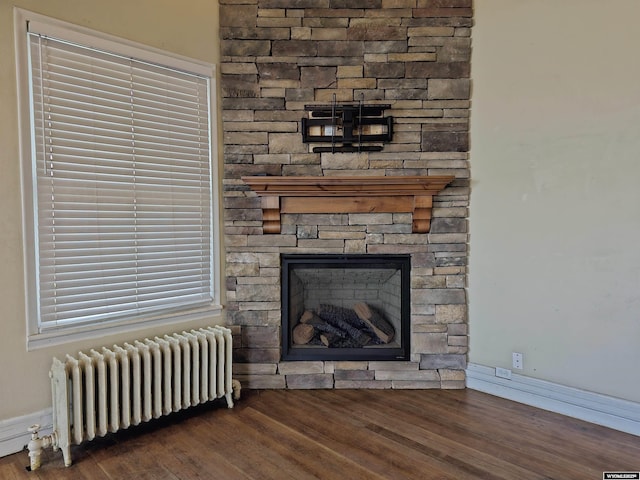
(340,327)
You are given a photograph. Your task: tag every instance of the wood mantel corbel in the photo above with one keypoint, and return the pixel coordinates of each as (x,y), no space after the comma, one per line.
(342,194)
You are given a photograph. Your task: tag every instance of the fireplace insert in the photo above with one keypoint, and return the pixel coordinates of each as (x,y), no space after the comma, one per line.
(345,307)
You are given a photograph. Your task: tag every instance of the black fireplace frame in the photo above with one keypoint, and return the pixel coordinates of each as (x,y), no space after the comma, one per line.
(402,262)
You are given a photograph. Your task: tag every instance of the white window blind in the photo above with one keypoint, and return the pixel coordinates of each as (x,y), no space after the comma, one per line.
(122,167)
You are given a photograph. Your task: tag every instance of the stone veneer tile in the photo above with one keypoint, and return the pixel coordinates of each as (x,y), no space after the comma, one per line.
(310,381)
(455,340)
(354,375)
(439,296)
(385,384)
(394,366)
(457,329)
(257,293)
(255,369)
(416,375)
(429,342)
(265,336)
(262,381)
(415,384)
(256,355)
(451,375)
(451,313)
(443,361)
(453,384)
(428,281)
(429,328)
(257,306)
(292,368)
(355,246)
(350,365)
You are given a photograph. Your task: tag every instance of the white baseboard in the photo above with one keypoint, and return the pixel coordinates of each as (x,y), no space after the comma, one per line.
(13,432)
(592,407)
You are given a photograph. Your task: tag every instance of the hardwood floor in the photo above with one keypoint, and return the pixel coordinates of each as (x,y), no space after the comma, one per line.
(350,434)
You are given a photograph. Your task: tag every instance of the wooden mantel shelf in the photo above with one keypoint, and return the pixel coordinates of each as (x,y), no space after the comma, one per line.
(341,194)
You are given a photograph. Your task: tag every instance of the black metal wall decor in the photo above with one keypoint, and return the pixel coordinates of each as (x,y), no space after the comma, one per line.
(348,127)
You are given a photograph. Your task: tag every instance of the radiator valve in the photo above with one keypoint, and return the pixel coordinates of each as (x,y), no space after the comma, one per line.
(36,444)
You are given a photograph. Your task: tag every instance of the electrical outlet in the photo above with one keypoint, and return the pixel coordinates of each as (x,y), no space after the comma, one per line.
(503,373)
(517,360)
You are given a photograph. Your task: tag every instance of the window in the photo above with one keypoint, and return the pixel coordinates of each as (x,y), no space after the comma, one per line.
(120,183)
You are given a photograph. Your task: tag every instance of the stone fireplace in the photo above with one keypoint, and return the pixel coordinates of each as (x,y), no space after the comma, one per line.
(278,57)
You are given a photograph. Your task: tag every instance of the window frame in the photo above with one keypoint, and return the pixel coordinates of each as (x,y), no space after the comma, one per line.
(36,337)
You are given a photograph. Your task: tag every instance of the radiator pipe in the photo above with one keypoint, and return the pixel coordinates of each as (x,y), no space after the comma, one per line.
(36,444)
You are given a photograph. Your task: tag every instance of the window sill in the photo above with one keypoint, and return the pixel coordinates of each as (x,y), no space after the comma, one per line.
(69,334)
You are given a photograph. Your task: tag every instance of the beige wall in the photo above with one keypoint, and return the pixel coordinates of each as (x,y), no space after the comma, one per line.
(186,28)
(555,206)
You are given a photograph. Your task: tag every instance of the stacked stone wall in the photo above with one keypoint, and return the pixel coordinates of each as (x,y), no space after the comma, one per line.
(277,57)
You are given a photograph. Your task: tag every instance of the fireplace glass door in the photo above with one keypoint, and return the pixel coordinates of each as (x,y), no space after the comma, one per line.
(345,307)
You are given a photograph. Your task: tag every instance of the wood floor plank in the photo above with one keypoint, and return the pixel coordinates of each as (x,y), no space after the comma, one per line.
(513,435)
(187,445)
(468,459)
(11,470)
(345,434)
(384,422)
(238,442)
(471,449)
(126,461)
(314,459)
(553,434)
(355,434)
(521,428)
(592,436)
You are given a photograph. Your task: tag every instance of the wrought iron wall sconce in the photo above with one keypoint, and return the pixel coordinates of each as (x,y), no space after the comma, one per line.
(348,127)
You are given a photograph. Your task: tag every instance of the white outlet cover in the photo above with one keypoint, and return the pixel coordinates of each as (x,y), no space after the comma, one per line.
(517,360)
(503,373)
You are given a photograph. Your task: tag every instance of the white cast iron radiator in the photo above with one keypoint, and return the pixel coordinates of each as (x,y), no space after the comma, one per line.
(112,388)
